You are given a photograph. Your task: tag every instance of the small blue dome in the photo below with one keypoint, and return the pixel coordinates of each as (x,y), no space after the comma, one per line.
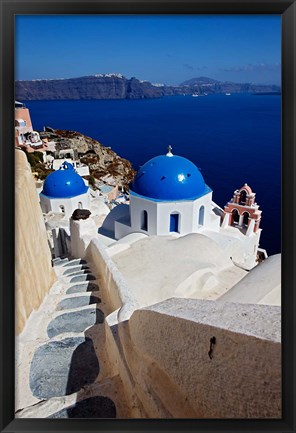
(169,178)
(64,183)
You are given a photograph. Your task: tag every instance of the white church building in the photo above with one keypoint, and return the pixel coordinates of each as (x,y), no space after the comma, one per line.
(63,191)
(170,197)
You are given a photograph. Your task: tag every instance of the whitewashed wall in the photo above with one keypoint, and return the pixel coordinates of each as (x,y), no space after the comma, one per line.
(159,216)
(34,274)
(166,352)
(69,204)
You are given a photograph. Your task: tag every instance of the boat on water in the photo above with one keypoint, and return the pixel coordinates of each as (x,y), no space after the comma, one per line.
(195,95)
(227,94)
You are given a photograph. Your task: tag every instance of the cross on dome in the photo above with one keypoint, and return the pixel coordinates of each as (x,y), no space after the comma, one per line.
(170,151)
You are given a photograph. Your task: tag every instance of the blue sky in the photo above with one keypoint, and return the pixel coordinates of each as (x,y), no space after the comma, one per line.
(161,49)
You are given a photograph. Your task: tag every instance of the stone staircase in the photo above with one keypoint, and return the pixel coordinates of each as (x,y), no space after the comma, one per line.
(62,366)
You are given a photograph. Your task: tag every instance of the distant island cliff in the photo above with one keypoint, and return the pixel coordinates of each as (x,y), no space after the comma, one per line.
(116,86)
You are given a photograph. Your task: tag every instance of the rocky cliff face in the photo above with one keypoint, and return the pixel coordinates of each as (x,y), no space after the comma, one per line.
(116,86)
(93,87)
(101,160)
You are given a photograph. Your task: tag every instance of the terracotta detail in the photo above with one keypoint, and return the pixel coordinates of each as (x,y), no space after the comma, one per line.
(248,206)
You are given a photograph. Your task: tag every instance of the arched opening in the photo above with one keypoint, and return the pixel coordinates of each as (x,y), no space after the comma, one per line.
(62,208)
(235,216)
(174,222)
(144,221)
(80,206)
(201,215)
(246,218)
(243,197)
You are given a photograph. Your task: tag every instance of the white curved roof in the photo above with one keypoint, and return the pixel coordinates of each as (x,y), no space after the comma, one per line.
(161,267)
(262,285)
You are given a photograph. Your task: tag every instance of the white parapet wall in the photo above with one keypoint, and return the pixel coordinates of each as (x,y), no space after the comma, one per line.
(82,232)
(161,352)
(166,349)
(112,283)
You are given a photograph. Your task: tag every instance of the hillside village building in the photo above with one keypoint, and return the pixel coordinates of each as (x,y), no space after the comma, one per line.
(25,136)
(29,140)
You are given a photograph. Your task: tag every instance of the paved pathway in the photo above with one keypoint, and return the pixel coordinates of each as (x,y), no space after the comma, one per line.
(62,365)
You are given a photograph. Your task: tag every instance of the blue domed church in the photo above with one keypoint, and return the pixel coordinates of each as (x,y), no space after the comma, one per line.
(168,195)
(64,190)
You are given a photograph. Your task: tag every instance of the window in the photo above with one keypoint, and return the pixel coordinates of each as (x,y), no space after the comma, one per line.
(20,122)
(144,220)
(235,216)
(246,218)
(174,222)
(243,197)
(201,216)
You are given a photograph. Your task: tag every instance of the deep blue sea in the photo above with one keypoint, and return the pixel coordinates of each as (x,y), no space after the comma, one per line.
(232,139)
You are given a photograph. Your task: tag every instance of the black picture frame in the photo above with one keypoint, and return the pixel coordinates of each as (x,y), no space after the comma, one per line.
(8,10)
